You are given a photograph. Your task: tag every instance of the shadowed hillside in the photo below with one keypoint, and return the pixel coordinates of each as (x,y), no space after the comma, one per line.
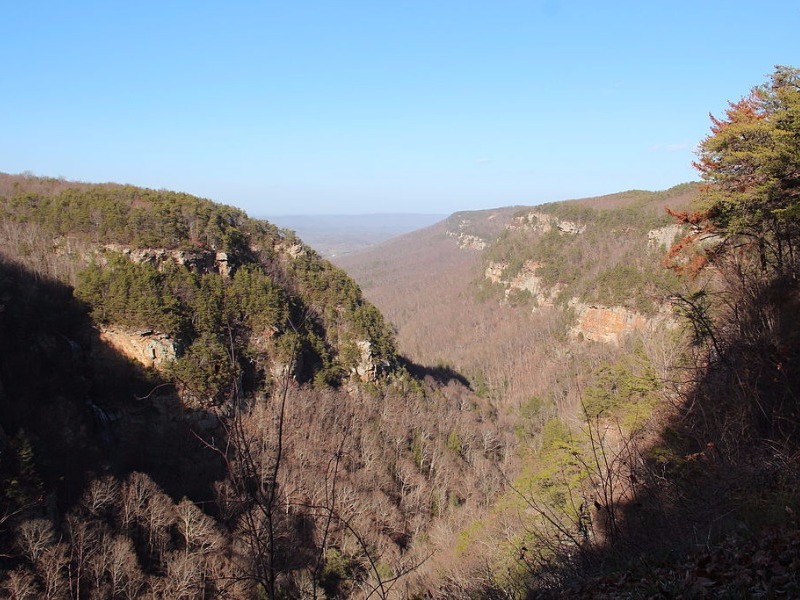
(196,405)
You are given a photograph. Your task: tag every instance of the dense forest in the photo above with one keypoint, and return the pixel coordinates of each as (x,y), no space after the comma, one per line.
(586,398)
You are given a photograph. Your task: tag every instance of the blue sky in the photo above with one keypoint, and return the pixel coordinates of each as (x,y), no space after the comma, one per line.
(368,107)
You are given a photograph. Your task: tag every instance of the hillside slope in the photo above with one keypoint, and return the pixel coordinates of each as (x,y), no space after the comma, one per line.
(474,291)
(654,416)
(560,316)
(195,404)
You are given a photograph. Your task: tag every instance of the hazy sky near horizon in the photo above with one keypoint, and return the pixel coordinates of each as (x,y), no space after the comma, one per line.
(367,107)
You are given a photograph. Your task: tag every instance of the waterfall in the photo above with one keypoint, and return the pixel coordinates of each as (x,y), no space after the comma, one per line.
(102,424)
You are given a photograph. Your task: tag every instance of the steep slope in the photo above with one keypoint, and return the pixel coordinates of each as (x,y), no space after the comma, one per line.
(473,290)
(655,417)
(422,277)
(559,315)
(155,342)
(155,259)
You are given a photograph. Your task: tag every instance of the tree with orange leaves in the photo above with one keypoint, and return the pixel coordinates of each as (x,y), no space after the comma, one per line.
(751,164)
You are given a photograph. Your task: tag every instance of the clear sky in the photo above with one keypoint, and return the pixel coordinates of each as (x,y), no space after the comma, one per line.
(371,106)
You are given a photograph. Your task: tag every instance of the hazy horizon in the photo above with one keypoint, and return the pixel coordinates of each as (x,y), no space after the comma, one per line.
(344,214)
(336,235)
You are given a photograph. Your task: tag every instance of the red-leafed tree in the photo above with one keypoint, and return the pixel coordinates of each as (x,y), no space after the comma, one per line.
(751,164)
(747,229)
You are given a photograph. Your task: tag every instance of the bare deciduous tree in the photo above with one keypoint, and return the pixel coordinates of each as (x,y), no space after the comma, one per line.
(20,584)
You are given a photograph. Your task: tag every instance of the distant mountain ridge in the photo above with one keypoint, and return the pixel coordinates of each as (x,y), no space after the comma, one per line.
(335,235)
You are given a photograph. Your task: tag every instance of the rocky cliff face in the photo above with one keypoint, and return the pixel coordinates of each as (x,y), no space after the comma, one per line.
(610,324)
(151,349)
(369,368)
(198,261)
(543,223)
(525,280)
(467,241)
(594,323)
(664,237)
(293,250)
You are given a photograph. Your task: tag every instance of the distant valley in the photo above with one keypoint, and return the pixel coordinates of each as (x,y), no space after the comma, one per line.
(337,235)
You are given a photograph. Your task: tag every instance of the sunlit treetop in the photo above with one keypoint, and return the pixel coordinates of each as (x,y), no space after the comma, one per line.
(751,164)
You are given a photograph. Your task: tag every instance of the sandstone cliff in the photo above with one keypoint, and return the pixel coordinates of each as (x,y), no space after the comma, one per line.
(149,348)
(610,324)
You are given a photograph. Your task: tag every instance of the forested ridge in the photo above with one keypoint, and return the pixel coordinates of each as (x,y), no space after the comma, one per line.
(526,290)
(284,449)
(608,259)
(592,398)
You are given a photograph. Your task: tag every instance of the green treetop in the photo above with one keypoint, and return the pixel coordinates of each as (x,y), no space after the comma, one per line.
(751,161)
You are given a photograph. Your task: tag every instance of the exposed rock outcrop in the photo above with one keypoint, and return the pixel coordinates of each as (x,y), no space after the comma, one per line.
(542,223)
(494,272)
(223,264)
(467,241)
(294,250)
(610,325)
(525,280)
(150,348)
(367,369)
(199,260)
(570,227)
(663,237)
(473,242)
